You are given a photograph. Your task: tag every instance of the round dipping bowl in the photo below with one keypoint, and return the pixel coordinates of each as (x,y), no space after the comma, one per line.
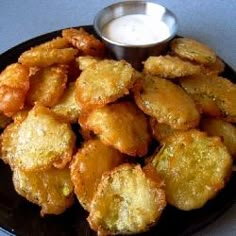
(135,53)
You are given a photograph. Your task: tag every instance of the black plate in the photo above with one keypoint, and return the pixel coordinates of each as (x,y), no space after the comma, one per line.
(19,217)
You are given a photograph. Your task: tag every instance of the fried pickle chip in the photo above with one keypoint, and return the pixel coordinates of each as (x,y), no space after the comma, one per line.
(56,43)
(193,50)
(166,102)
(220,94)
(104,82)
(223,129)
(47,86)
(87,167)
(160,131)
(205,104)
(51,189)
(121,125)
(215,68)
(194,168)
(14,84)
(86,61)
(169,67)
(41,57)
(86,43)
(67,107)
(39,142)
(8,143)
(127,201)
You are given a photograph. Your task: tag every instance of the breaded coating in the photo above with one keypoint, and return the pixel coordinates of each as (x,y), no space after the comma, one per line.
(220,93)
(121,125)
(84,62)
(86,43)
(206,104)
(4,121)
(21,115)
(41,57)
(51,189)
(56,43)
(225,130)
(104,82)
(127,201)
(67,107)
(160,131)
(215,68)
(169,67)
(47,86)
(166,102)
(39,142)
(14,84)
(87,167)
(8,143)
(193,50)
(194,168)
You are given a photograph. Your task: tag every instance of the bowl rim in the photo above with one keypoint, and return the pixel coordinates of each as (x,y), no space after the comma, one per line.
(125,45)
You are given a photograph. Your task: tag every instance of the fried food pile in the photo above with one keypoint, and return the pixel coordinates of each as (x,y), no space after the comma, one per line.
(69,88)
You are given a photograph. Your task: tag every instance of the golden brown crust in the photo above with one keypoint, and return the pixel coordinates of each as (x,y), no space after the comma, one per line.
(39,142)
(193,50)
(86,43)
(215,68)
(67,107)
(121,125)
(39,57)
(51,189)
(47,86)
(169,67)
(214,95)
(127,201)
(14,84)
(8,143)
(206,105)
(85,173)
(160,131)
(56,43)
(194,168)
(84,62)
(104,82)
(166,102)
(224,130)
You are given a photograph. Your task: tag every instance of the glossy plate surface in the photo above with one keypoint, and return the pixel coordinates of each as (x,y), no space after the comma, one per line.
(19,217)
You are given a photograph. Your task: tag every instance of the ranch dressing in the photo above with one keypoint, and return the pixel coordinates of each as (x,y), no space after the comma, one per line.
(136,29)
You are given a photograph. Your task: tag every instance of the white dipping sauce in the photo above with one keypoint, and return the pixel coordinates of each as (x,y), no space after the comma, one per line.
(136,29)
